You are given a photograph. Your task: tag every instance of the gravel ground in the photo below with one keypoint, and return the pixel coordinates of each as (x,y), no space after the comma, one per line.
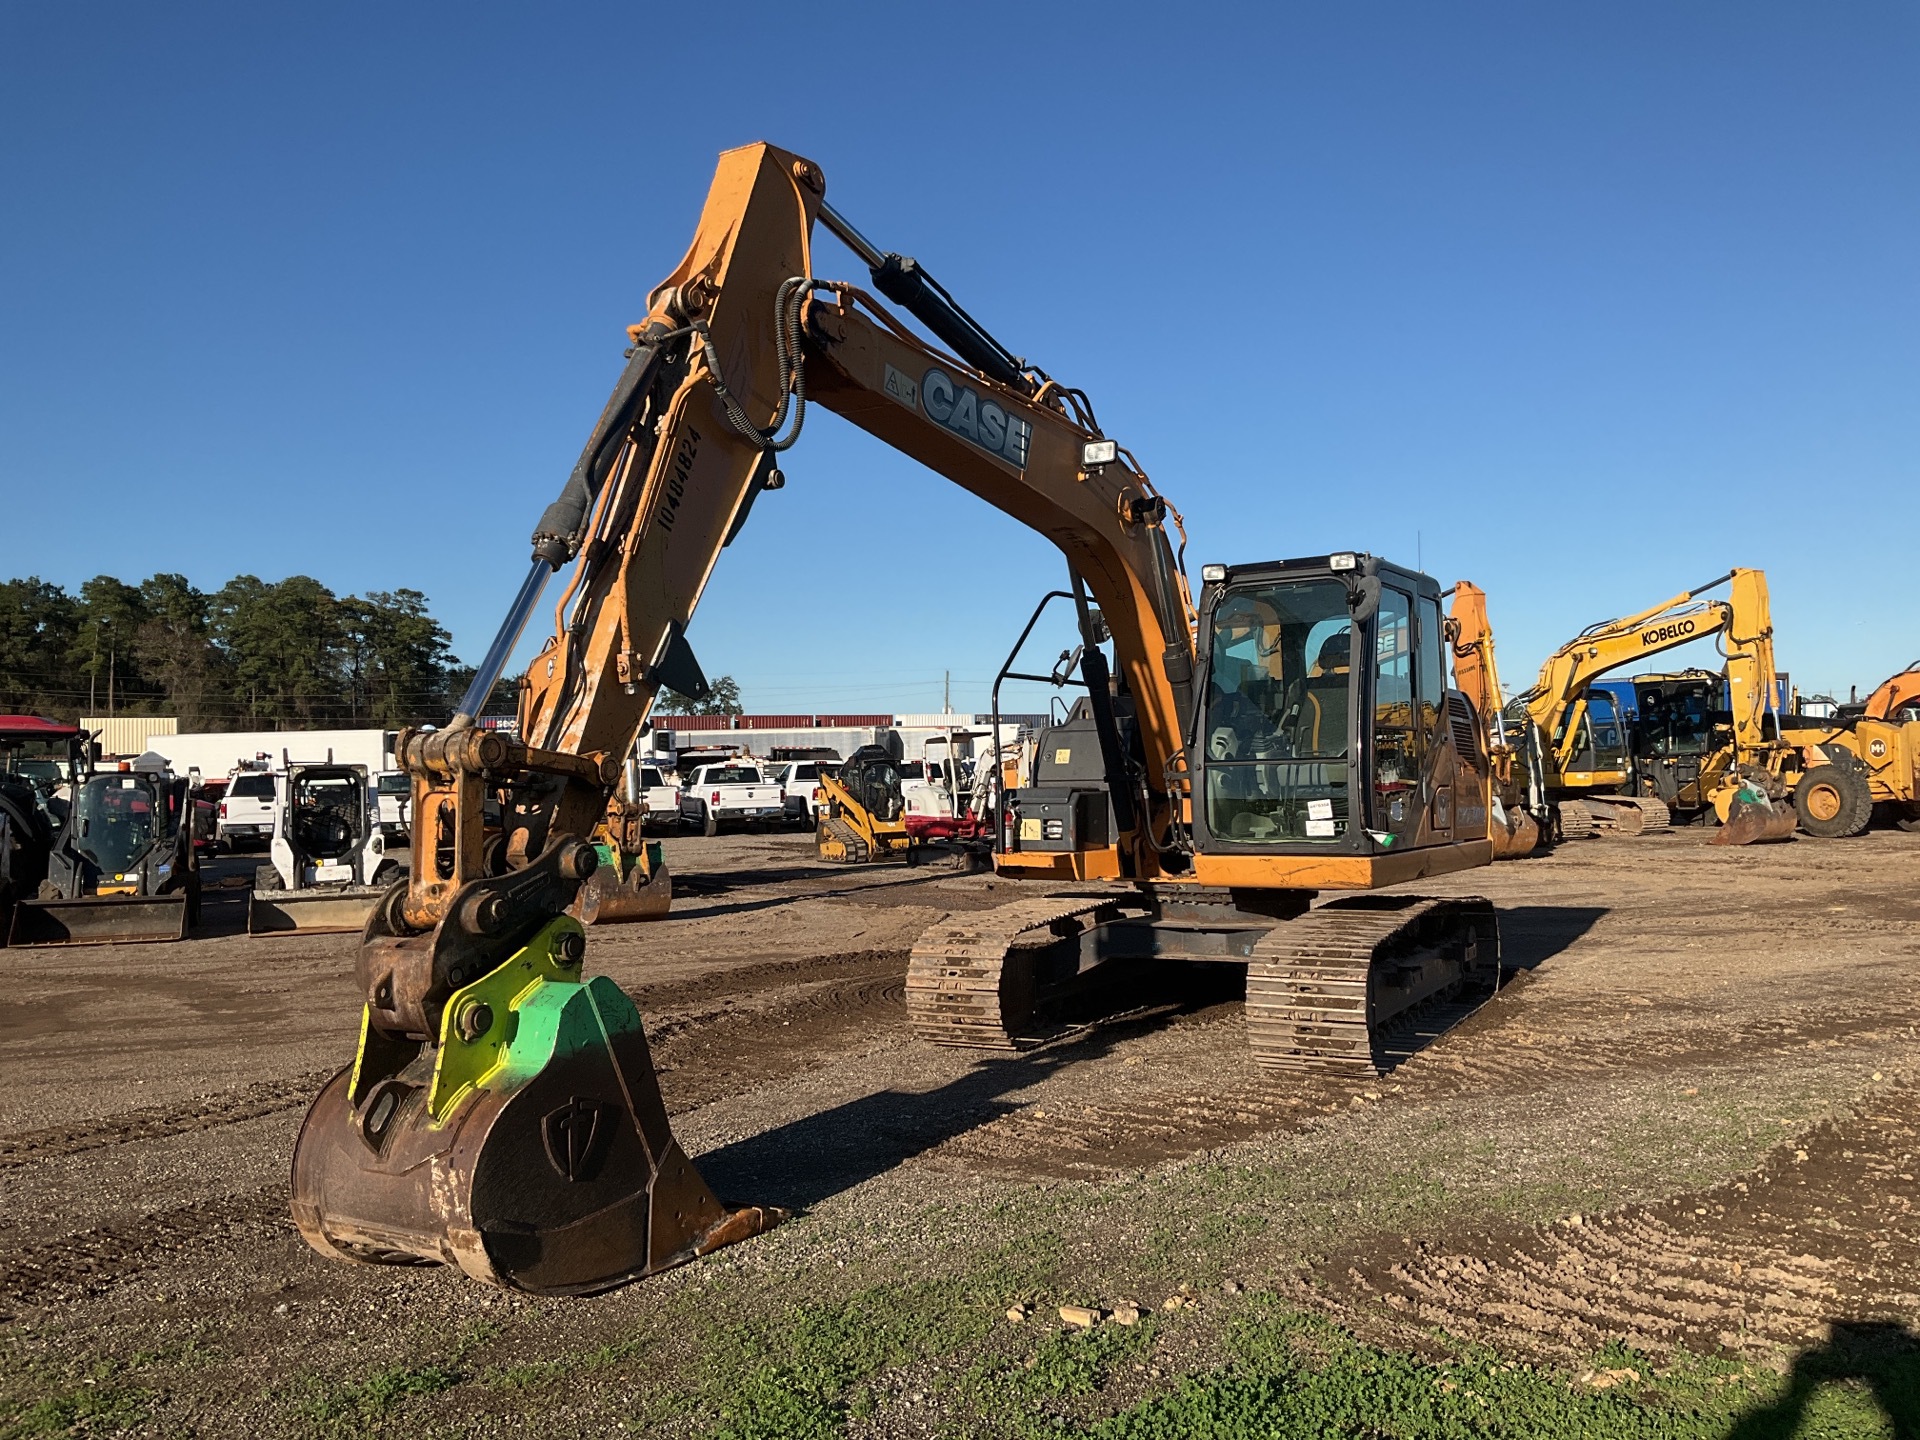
(1686,1122)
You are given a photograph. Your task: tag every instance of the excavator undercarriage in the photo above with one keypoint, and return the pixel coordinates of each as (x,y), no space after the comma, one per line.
(1327,988)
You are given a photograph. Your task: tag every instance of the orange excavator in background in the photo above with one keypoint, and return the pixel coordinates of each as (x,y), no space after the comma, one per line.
(1895,698)
(1292,731)
(1517,813)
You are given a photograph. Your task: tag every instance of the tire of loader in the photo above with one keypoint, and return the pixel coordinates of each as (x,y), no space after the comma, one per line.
(266,877)
(1833,802)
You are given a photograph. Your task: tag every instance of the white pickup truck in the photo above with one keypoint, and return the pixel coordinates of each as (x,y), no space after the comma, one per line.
(246,810)
(662,795)
(717,795)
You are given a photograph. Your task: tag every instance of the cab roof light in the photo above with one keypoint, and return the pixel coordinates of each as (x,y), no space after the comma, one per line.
(1213,574)
(1345,560)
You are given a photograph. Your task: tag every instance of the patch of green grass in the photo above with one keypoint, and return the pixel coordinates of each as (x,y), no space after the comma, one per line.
(42,1396)
(348,1407)
(532,1374)
(1075,1363)
(1295,1375)
(793,1376)
(95,1402)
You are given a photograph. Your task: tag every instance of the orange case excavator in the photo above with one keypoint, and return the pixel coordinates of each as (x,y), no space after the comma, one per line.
(1289,732)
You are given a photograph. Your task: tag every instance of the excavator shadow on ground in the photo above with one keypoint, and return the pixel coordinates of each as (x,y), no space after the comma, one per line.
(812,1159)
(1880,1356)
(1530,935)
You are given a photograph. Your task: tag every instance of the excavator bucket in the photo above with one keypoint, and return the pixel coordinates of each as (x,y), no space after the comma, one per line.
(99,920)
(1514,832)
(1753,819)
(316,911)
(608,897)
(528,1145)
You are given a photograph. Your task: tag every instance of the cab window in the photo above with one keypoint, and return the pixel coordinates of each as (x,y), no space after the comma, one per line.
(1278,714)
(1430,676)
(1396,743)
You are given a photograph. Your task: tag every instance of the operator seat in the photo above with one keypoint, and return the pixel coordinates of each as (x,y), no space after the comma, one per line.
(1320,713)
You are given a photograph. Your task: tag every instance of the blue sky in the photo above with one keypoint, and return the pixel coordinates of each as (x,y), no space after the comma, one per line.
(1587,304)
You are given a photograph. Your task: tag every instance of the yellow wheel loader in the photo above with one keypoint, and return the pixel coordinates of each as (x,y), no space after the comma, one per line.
(1291,733)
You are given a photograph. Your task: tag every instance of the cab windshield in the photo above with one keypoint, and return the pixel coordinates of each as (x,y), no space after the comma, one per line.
(324,815)
(117,822)
(1276,723)
(1678,719)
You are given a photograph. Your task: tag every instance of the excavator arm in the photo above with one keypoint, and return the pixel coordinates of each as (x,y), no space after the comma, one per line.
(501,1113)
(1516,809)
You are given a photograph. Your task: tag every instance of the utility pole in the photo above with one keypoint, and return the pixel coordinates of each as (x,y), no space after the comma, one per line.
(946,703)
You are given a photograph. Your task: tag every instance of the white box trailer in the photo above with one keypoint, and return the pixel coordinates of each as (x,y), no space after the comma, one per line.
(219,754)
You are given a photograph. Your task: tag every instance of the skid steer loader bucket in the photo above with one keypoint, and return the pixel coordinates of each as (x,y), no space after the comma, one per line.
(99,920)
(608,897)
(528,1145)
(315,911)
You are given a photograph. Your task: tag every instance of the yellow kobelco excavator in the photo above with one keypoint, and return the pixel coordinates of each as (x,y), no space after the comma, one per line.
(1292,733)
(1517,813)
(1587,774)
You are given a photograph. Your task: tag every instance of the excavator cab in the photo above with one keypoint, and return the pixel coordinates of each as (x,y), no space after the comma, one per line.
(1599,755)
(1324,724)
(1327,719)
